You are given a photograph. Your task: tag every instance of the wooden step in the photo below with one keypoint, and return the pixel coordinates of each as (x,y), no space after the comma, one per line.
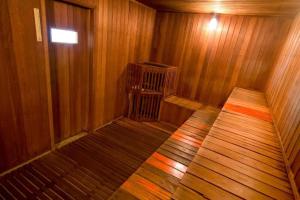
(176,110)
(160,175)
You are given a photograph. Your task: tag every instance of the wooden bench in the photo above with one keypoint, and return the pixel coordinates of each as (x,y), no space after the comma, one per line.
(241,156)
(160,175)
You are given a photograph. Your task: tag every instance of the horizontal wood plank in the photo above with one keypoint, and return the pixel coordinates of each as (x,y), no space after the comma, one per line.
(164,169)
(92,167)
(240,157)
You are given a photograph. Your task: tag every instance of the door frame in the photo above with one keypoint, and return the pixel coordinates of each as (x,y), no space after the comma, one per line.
(92,5)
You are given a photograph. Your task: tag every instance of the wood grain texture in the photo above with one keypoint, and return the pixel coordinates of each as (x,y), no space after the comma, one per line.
(24,126)
(240,52)
(124,34)
(174,113)
(283,95)
(140,27)
(159,176)
(91,168)
(25,122)
(240,157)
(70,70)
(176,110)
(238,7)
(147,85)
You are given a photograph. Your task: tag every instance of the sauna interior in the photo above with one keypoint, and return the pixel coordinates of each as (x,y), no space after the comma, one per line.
(150,99)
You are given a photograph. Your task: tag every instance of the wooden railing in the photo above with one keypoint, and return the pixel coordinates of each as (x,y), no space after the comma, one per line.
(147,85)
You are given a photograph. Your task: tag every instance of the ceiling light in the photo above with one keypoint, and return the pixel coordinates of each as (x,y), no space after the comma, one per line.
(213,23)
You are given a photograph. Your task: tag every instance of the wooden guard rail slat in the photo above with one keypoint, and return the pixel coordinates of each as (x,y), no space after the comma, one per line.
(147,85)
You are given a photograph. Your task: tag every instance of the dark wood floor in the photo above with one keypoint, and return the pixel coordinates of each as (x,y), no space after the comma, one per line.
(91,168)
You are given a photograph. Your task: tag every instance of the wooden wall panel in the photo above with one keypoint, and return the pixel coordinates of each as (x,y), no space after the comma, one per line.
(25,106)
(8,118)
(124,35)
(283,95)
(24,121)
(141,26)
(240,52)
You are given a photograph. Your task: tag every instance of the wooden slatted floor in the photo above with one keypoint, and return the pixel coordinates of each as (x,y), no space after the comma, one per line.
(159,175)
(91,168)
(240,157)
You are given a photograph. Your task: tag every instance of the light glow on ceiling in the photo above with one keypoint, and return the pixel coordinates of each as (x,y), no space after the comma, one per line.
(213,24)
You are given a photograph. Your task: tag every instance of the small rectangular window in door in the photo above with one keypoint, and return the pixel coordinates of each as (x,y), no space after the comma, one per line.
(64,36)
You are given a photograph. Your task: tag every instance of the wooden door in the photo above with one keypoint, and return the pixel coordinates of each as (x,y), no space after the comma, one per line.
(70,67)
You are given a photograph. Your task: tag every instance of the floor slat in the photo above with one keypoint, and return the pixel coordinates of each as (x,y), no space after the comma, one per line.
(92,167)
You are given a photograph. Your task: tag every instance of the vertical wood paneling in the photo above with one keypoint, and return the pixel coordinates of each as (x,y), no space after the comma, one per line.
(283,94)
(240,52)
(116,59)
(70,68)
(124,35)
(24,121)
(8,86)
(29,57)
(141,25)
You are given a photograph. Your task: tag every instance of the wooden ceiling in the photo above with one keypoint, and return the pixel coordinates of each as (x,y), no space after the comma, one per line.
(238,7)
